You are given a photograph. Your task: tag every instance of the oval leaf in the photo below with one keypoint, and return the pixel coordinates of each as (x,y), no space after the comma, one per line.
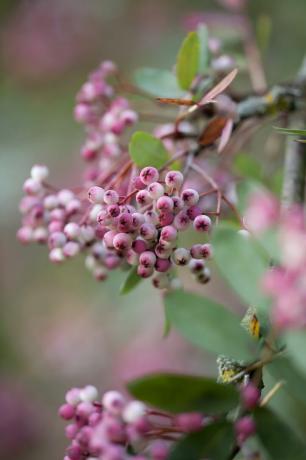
(296,344)
(188,59)
(131,281)
(157,82)
(147,150)
(283,369)
(183,393)
(277,438)
(214,442)
(208,325)
(241,262)
(204,48)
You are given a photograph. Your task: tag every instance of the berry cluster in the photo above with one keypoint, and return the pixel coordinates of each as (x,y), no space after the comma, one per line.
(114,233)
(106,116)
(117,429)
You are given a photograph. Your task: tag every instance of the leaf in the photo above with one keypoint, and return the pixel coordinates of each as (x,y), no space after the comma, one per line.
(219,88)
(157,82)
(204,53)
(212,131)
(283,369)
(277,438)
(131,281)
(226,134)
(207,324)
(214,441)
(242,264)
(296,344)
(147,150)
(184,393)
(291,132)
(188,58)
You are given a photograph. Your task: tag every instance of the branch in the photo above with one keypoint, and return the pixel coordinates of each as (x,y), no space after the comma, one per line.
(294,173)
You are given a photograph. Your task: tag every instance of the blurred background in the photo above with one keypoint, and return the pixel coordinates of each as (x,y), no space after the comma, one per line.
(58,326)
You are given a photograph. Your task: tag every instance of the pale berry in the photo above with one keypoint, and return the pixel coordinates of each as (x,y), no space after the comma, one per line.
(156,190)
(39,172)
(96,195)
(149,175)
(143,198)
(190,196)
(174,179)
(111,197)
(72,230)
(181,256)
(147,259)
(181,221)
(133,411)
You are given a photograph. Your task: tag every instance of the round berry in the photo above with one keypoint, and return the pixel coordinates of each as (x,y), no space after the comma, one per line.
(162,265)
(149,175)
(147,259)
(122,241)
(96,194)
(139,245)
(181,221)
(174,179)
(144,272)
(143,198)
(156,190)
(190,196)
(168,233)
(39,172)
(164,203)
(181,256)
(72,230)
(202,223)
(111,197)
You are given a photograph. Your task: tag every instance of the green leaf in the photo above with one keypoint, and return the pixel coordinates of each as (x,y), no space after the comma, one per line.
(183,393)
(241,262)
(291,132)
(214,442)
(131,281)
(147,150)
(247,166)
(208,324)
(157,82)
(204,53)
(188,59)
(277,438)
(296,344)
(283,369)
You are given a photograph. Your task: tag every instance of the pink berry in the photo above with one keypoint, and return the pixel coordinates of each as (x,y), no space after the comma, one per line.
(162,265)
(147,259)
(96,194)
(250,396)
(149,175)
(168,233)
(145,272)
(111,197)
(166,218)
(202,223)
(174,179)
(164,203)
(193,212)
(143,198)
(137,219)
(138,184)
(148,231)
(66,411)
(139,245)
(113,210)
(122,241)
(244,427)
(190,197)
(125,222)
(181,221)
